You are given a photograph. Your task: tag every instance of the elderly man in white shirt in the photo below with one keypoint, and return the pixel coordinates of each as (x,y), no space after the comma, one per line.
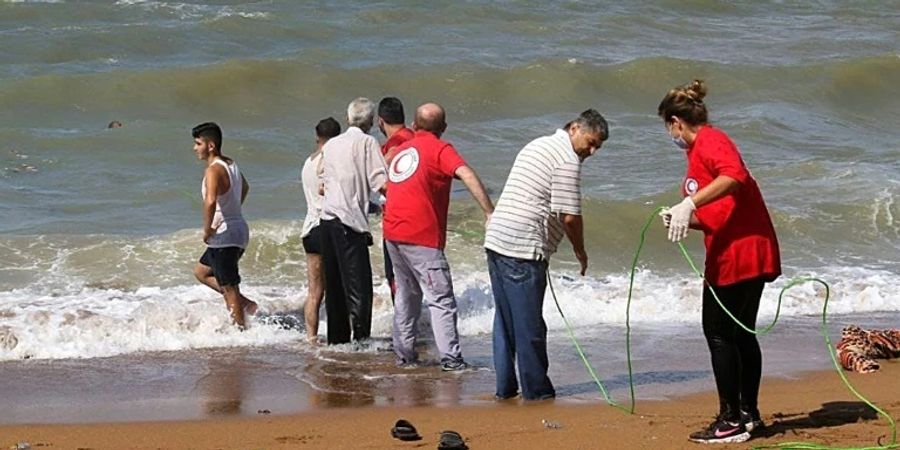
(352,169)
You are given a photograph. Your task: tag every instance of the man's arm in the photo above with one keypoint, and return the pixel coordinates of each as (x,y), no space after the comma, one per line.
(376,168)
(565,200)
(574,226)
(474,185)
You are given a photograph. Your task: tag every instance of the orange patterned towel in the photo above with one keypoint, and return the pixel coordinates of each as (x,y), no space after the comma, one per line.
(858,348)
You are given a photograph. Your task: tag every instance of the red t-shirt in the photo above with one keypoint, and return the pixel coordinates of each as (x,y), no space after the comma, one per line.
(738,233)
(402,135)
(418,191)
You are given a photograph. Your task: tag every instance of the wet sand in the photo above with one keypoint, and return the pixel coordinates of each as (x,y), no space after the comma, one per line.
(228,383)
(815,407)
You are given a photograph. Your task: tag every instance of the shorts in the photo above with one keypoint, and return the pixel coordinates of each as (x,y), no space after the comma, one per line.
(224,264)
(312,243)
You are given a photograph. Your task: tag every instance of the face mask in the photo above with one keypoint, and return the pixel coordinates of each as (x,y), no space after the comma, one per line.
(680,142)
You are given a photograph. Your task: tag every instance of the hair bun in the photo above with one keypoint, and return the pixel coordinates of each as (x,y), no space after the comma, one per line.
(696,90)
(686,103)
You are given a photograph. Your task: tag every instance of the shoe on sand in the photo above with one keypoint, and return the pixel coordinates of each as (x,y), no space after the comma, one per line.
(722,431)
(405,431)
(454,366)
(752,421)
(451,440)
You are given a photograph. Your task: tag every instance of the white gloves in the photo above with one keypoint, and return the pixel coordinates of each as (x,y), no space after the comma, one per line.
(666,216)
(679,219)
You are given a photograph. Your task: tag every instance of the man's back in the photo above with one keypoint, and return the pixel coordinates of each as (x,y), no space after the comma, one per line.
(418,196)
(544,179)
(352,168)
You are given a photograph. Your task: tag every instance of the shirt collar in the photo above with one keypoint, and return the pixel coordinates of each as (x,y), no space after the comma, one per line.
(563,135)
(424,133)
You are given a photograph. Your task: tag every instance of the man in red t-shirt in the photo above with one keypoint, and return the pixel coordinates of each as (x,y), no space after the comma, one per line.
(415,230)
(392,123)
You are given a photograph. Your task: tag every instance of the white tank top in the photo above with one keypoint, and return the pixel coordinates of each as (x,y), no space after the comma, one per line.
(231,228)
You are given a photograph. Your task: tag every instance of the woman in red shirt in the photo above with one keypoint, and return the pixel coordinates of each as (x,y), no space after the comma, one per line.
(722,199)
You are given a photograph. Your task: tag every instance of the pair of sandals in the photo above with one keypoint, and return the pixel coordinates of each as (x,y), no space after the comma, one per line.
(450,440)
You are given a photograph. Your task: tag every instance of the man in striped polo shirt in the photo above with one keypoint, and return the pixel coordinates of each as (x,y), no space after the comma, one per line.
(540,203)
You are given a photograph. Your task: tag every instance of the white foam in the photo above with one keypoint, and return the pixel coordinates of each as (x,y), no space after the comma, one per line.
(65,320)
(882,215)
(188,11)
(104,322)
(669,299)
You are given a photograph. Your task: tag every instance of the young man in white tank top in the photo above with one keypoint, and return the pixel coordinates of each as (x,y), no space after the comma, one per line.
(225,232)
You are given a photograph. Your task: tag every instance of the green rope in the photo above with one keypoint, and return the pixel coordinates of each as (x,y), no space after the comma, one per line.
(793,282)
(587,363)
(803,445)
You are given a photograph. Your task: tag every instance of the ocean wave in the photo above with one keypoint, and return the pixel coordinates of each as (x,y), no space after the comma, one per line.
(84,322)
(868,229)
(272,90)
(192,11)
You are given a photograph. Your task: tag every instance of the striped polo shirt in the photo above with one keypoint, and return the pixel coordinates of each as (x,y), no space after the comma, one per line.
(545,181)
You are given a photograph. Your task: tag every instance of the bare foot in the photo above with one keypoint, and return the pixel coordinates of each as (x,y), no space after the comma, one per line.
(250,307)
(313,340)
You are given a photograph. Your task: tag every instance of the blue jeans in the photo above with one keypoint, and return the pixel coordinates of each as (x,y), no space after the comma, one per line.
(519,329)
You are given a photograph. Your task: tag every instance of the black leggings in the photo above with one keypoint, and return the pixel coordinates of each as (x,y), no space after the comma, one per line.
(736,359)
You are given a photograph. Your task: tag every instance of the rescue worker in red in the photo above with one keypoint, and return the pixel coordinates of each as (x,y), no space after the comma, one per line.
(723,200)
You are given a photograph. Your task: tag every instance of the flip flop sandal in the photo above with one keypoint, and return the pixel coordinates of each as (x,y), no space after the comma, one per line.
(405,431)
(451,440)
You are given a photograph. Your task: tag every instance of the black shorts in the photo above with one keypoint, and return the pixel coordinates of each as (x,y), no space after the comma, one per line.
(224,264)
(312,243)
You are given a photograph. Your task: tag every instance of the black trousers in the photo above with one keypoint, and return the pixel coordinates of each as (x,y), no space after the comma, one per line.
(348,282)
(736,358)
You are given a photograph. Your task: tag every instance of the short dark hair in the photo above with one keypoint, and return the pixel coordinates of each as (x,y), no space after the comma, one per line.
(209,131)
(592,121)
(390,110)
(328,128)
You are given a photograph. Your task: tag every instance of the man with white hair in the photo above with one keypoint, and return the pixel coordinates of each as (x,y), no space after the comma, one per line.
(352,169)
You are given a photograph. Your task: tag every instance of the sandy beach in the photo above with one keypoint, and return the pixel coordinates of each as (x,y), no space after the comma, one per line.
(815,407)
